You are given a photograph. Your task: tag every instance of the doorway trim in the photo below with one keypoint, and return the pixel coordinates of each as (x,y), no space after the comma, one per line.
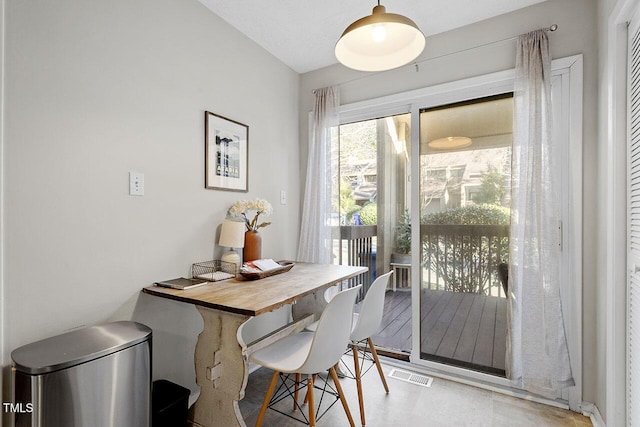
(615,171)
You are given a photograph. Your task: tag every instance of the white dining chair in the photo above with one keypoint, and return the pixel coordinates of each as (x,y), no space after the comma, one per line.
(365,324)
(310,353)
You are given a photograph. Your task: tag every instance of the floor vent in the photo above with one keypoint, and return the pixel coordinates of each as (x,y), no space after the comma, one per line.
(412,378)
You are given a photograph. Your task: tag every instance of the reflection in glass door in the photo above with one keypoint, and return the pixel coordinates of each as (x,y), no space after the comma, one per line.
(371,221)
(465,158)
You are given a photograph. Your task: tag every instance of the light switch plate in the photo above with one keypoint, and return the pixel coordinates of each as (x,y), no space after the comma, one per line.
(136,184)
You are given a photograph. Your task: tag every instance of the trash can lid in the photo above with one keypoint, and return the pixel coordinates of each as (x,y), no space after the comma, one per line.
(76,347)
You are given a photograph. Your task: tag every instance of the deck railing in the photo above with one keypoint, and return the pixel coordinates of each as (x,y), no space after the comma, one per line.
(459,258)
(355,245)
(464,258)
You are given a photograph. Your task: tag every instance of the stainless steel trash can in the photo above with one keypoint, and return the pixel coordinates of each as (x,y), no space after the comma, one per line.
(98,376)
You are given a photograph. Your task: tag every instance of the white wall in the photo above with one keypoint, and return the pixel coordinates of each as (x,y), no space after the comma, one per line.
(93,90)
(576,34)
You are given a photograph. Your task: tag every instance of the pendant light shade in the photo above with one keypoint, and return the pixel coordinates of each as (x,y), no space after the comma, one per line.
(450,143)
(380,41)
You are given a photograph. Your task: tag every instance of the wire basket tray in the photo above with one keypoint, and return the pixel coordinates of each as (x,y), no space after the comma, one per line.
(214,270)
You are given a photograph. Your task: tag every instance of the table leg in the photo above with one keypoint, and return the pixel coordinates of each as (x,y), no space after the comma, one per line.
(310,304)
(221,370)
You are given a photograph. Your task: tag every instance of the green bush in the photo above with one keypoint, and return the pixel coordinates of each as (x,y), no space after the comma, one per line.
(466,258)
(467,215)
(369,214)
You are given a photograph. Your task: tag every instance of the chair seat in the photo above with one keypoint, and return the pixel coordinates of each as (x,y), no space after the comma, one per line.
(309,353)
(286,355)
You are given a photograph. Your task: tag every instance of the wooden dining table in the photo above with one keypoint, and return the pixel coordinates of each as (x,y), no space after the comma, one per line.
(221,355)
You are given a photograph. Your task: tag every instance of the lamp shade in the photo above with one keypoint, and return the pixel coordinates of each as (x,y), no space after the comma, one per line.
(232,234)
(380,41)
(450,142)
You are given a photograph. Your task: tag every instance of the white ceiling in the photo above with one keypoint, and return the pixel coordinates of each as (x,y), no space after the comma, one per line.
(303,33)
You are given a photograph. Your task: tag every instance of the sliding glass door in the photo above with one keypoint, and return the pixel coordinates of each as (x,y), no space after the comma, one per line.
(425,191)
(372,225)
(465,159)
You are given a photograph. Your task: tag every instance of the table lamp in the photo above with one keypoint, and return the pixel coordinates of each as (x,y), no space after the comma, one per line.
(232,236)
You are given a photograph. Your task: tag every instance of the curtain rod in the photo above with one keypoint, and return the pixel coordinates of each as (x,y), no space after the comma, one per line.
(416,64)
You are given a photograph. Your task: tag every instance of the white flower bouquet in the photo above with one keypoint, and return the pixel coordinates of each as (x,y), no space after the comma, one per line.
(241,209)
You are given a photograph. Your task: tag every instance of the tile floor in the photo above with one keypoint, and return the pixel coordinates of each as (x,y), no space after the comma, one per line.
(445,403)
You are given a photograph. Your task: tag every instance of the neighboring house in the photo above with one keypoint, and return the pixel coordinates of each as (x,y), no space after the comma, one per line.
(454,179)
(362,176)
(451,179)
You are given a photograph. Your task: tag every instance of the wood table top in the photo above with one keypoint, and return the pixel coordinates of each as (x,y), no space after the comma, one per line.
(255,297)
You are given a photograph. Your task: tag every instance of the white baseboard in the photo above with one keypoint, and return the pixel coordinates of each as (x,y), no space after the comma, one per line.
(591,410)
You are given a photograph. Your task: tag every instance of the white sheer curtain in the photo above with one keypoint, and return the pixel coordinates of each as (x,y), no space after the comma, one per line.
(315,231)
(537,352)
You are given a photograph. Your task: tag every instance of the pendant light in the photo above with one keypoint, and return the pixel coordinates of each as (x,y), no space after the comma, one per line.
(450,143)
(380,41)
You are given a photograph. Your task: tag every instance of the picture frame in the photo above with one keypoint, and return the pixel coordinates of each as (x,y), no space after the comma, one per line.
(226,154)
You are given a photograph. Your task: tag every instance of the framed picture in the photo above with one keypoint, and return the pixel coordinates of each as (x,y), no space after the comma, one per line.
(226,153)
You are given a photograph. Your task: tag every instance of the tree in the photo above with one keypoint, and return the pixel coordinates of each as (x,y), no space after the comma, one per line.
(347,203)
(358,141)
(491,187)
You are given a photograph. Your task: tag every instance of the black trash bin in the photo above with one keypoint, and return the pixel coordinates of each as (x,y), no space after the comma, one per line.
(170,404)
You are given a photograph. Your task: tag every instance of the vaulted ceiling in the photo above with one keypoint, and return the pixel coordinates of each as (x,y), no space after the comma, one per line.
(303,33)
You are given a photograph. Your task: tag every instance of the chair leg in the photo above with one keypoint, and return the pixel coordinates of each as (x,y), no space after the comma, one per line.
(295,390)
(343,400)
(306,396)
(312,415)
(375,358)
(356,363)
(267,398)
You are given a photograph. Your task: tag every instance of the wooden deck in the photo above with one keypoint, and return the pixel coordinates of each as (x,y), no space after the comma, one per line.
(459,329)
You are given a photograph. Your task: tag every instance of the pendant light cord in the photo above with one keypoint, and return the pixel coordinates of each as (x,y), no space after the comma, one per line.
(416,64)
